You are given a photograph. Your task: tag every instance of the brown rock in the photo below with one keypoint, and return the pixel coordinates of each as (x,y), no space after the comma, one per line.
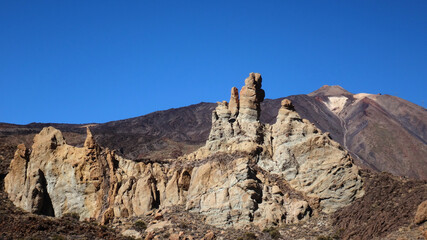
(37,200)
(174,236)
(18,166)
(131,233)
(108,216)
(222,110)
(233,106)
(251,96)
(287,104)
(229,188)
(89,142)
(149,236)
(209,235)
(177,236)
(158,215)
(421,215)
(276,190)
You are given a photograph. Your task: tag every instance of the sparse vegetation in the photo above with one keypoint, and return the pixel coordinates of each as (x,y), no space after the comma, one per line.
(58,237)
(183,225)
(248,236)
(140,226)
(72,215)
(333,237)
(273,232)
(324,238)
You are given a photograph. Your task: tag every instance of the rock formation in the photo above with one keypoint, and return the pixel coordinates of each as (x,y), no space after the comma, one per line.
(421,214)
(247,173)
(234,103)
(251,97)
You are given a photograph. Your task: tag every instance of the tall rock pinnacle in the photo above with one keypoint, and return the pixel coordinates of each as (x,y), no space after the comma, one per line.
(251,97)
(89,142)
(233,106)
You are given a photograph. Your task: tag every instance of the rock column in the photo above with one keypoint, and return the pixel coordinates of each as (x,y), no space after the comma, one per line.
(234,103)
(251,97)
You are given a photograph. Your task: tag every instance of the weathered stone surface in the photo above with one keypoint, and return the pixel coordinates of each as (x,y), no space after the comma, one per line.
(421,214)
(294,149)
(209,236)
(89,142)
(19,167)
(234,103)
(310,161)
(248,172)
(131,233)
(238,128)
(62,177)
(251,97)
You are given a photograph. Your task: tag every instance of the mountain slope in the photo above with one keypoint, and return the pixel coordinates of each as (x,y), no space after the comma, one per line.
(384,132)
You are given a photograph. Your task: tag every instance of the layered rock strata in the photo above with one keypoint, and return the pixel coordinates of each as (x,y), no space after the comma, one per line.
(248,172)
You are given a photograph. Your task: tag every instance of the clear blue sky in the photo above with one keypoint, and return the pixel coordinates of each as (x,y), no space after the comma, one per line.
(98,61)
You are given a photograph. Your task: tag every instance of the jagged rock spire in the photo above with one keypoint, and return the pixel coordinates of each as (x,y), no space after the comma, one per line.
(251,97)
(287,104)
(89,142)
(233,106)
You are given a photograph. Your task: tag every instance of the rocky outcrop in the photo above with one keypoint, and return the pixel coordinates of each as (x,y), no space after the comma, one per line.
(234,103)
(251,97)
(60,178)
(293,148)
(247,173)
(310,161)
(244,131)
(421,214)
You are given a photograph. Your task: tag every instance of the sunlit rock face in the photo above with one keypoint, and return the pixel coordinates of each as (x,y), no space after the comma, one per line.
(247,173)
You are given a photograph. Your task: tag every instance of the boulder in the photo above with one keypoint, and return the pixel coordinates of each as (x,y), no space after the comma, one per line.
(131,233)
(421,214)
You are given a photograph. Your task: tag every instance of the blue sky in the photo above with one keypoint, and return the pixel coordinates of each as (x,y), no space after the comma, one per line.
(98,61)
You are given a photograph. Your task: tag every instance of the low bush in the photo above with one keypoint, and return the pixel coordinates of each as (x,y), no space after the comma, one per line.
(140,225)
(273,232)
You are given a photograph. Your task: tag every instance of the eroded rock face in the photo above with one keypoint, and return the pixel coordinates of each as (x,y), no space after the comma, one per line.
(292,148)
(421,214)
(310,161)
(234,103)
(248,172)
(251,97)
(60,178)
(243,132)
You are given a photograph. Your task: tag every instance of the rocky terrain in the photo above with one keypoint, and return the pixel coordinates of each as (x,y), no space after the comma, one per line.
(258,176)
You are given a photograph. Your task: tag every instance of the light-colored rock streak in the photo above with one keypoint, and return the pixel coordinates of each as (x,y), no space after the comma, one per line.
(336,104)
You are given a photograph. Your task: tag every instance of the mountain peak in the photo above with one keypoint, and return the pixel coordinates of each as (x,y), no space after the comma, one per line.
(327,90)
